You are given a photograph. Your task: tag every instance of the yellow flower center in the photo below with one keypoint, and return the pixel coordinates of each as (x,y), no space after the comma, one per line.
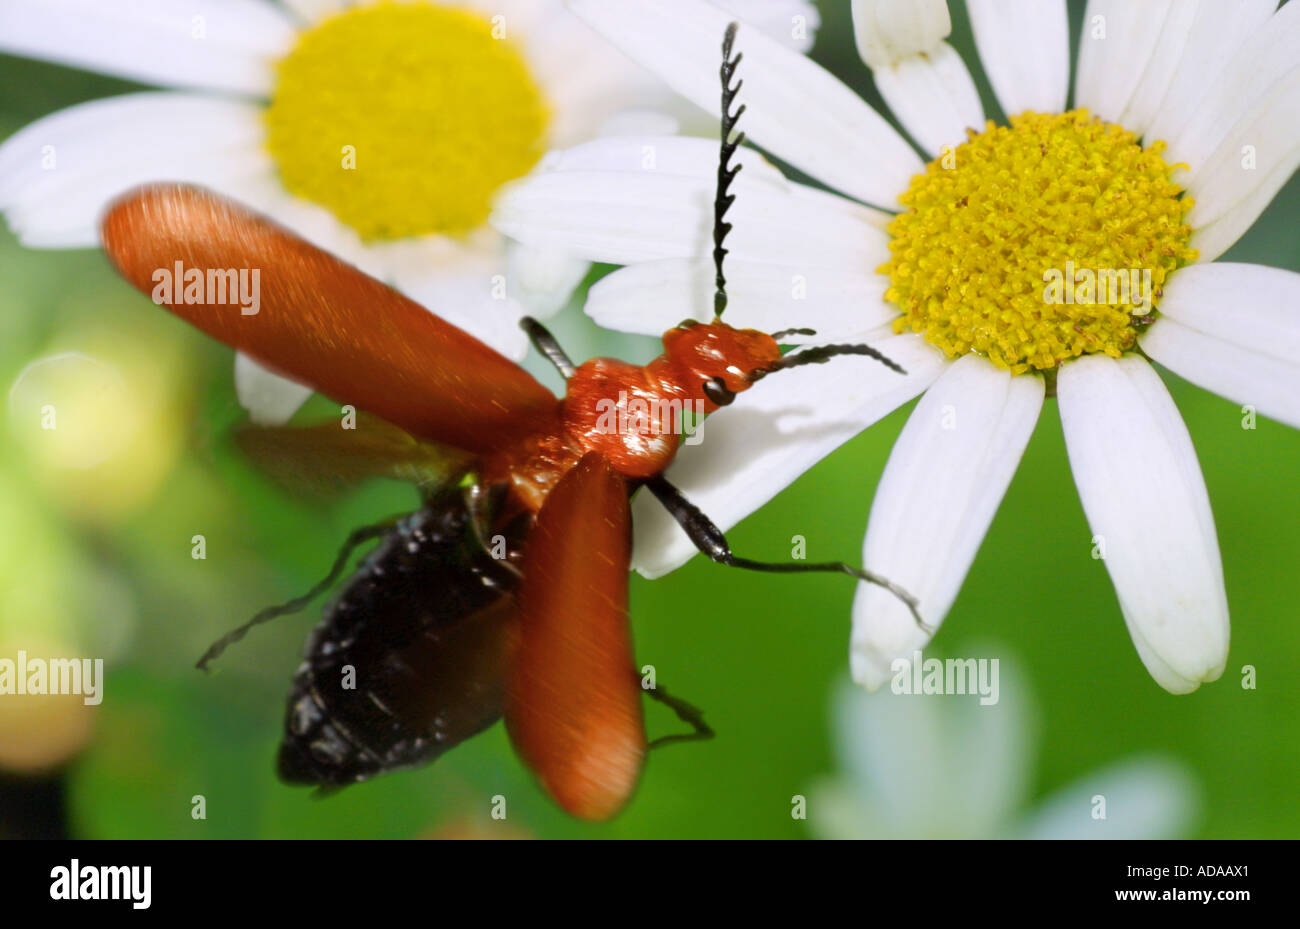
(404,119)
(1038,242)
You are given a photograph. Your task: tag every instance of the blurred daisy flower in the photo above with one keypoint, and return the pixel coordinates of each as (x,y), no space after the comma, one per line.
(1171,98)
(945,767)
(381,131)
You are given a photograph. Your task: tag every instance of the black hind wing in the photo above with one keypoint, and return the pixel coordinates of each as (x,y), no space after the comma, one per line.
(409,659)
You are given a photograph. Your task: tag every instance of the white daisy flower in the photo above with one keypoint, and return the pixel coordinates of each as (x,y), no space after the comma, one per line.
(947,767)
(956,287)
(379,130)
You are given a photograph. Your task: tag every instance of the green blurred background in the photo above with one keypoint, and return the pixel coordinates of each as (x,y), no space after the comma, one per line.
(97,561)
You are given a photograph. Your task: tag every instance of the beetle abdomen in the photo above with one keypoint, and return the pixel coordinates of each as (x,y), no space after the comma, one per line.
(408,659)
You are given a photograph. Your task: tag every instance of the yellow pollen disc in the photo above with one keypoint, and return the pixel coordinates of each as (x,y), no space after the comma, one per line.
(1028,244)
(405,119)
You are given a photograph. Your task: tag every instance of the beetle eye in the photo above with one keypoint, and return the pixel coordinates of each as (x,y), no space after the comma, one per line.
(688,324)
(716,390)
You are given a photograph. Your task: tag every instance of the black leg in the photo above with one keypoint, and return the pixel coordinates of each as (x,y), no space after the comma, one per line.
(545,343)
(358,537)
(708,538)
(687,713)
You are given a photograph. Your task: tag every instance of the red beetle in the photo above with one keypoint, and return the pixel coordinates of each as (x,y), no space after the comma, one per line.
(506,592)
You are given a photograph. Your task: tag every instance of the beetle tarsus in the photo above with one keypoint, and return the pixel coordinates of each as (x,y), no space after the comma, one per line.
(692,715)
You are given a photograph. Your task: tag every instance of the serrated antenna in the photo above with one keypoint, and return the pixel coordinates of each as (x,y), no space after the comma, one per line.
(722,199)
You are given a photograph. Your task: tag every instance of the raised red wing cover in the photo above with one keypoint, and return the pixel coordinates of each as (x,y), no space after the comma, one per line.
(573,702)
(325,323)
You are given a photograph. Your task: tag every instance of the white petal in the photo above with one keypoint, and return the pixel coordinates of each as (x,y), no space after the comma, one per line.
(543,278)
(925,766)
(1252,305)
(1154,83)
(991,744)
(945,478)
(1263,60)
(625,217)
(1144,495)
(695,158)
(1217,32)
(226,45)
(928,766)
(1024,46)
(639,121)
(660,154)
(896,752)
(794,23)
(1146,798)
(840,140)
(776,431)
(921,77)
(58,173)
(1250,165)
(271,399)
(933,96)
(588,81)
(313,11)
(888,31)
(652,296)
(1234,329)
(1117,42)
(521,16)
(1247,375)
(1213,240)
(870,215)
